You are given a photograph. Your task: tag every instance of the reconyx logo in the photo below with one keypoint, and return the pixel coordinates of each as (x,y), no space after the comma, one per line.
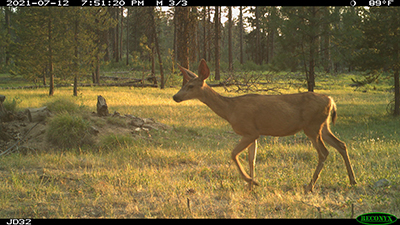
(376,218)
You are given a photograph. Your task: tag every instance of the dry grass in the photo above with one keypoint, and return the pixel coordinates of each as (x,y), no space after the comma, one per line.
(187,172)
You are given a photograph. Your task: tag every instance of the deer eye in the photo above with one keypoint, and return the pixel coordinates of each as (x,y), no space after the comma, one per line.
(190,86)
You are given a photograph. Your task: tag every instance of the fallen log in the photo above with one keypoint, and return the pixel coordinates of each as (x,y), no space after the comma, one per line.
(38,114)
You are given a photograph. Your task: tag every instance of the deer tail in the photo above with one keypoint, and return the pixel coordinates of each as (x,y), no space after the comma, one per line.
(333,111)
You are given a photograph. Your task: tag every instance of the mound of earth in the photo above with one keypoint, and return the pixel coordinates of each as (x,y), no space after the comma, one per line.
(19,134)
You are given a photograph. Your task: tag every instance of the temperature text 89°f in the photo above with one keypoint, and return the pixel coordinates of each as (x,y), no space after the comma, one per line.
(380,2)
(178,3)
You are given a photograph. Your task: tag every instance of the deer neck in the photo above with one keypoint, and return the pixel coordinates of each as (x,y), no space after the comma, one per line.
(216,102)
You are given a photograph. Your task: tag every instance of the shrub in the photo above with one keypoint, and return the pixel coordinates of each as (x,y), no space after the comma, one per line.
(12,105)
(69,131)
(62,105)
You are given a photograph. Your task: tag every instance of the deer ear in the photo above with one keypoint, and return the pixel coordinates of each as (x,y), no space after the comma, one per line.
(204,71)
(187,75)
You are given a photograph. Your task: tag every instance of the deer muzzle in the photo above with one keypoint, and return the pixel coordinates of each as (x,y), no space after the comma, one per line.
(176,98)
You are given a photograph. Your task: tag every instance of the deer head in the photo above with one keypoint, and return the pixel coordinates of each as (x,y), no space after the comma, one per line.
(194,87)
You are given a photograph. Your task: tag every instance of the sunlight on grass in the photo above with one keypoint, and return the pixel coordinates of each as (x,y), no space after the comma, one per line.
(187,172)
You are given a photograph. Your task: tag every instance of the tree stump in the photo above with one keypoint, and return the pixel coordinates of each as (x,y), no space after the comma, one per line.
(102,108)
(38,114)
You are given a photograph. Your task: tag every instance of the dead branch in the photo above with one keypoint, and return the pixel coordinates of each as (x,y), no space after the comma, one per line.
(248,83)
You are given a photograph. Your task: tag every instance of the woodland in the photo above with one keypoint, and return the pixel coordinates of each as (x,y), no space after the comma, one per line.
(142,155)
(51,45)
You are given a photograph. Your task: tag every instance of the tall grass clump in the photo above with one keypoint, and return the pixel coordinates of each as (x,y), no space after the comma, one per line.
(63,105)
(12,105)
(69,131)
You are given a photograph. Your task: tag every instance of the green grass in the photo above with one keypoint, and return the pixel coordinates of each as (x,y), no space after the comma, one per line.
(69,131)
(186,172)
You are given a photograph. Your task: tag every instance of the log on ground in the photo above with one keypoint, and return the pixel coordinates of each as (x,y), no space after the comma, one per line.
(38,114)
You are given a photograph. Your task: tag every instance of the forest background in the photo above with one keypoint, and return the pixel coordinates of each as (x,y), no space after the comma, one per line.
(184,170)
(59,45)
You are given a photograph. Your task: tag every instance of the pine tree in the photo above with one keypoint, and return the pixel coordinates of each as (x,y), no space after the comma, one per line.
(301,32)
(217,46)
(182,33)
(59,43)
(380,48)
(35,51)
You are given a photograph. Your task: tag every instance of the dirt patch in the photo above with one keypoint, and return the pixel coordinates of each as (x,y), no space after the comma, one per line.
(24,136)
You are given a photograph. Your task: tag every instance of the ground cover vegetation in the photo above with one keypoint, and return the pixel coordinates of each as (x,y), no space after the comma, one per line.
(103,167)
(186,171)
(55,46)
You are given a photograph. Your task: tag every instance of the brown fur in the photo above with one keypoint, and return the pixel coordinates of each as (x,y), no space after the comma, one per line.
(253,115)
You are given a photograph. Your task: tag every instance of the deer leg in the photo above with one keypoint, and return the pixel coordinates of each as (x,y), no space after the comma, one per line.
(341,147)
(322,155)
(252,161)
(243,144)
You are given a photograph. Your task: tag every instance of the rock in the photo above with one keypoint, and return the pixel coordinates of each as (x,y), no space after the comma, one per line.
(137,122)
(382,183)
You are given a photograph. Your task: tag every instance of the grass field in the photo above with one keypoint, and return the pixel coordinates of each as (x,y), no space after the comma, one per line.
(186,172)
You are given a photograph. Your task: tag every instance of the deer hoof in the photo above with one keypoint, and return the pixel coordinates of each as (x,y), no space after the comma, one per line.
(253,182)
(308,189)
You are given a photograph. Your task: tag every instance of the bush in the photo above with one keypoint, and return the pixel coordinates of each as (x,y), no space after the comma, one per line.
(12,105)
(69,131)
(62,105)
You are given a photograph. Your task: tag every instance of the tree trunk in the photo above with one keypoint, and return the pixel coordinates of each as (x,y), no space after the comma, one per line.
(116,36)
(396,74)
(7,11)
(258,38)
(209,33)
(44,75)
(120,35)
(175,36)
(157,47)
(217,56)
(153,53)
(127,37)
(230,38)
(182,16)
(311,77)
(313,39)
(241,34)
(271,45)
(75,91)
(50,51)
(204,32)
(96,72)
(396,93)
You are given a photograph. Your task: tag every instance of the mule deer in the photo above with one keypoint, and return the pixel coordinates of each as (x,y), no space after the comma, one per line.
(253,115)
